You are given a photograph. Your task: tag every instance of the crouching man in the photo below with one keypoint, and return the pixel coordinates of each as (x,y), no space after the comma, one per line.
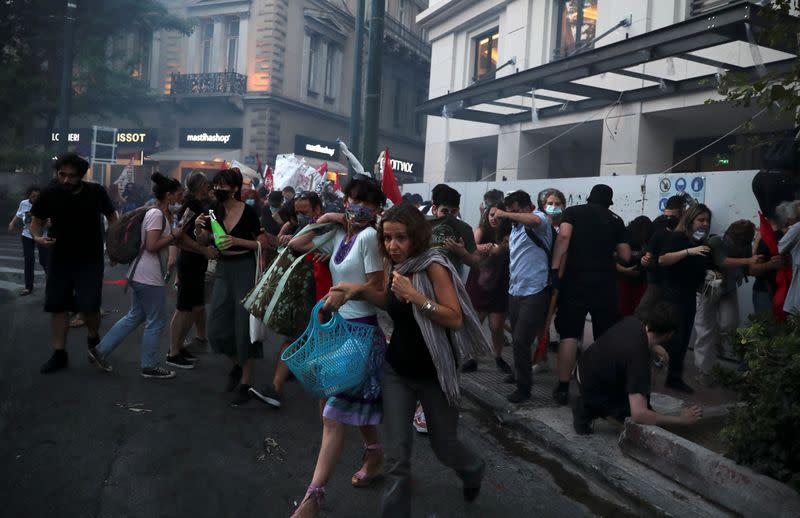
(614,373)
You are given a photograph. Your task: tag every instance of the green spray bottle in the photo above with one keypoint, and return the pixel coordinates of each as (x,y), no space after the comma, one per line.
(216,228)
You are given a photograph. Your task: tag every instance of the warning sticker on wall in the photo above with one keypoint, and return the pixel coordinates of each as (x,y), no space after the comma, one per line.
(681,184)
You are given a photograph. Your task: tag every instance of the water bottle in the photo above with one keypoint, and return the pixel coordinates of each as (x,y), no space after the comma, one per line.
(216,228)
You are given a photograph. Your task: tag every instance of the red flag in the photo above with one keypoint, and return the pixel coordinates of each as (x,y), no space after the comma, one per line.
(269,184)
(336,185)
(388,182)
(323,169)
(783,277)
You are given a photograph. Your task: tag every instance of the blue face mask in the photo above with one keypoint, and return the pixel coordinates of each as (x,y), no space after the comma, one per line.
(250,201)
(551,210)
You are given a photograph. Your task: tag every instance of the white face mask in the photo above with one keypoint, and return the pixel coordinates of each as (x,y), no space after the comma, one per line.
(699,234)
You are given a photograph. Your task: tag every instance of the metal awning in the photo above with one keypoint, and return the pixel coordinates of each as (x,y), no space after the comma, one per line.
(197,154)
(595,78)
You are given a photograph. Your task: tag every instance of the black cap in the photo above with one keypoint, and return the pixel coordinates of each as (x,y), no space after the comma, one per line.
(601,194)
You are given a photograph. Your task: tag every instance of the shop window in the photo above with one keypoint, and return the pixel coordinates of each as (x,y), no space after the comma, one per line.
(577,25)
(314,49)
(485,57)
(232,31)
(207,46)
(701,7)
(332,72)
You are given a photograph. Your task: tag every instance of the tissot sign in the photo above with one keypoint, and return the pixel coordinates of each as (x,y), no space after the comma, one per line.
(136,137)
(216,138)
(316,148)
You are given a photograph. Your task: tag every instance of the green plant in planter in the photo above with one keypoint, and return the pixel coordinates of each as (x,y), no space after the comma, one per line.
(763,433)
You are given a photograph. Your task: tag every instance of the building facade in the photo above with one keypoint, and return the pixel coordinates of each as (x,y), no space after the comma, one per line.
(526,89)
(258,78)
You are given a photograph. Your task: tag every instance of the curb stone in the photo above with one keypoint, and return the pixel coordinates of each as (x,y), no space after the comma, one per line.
(653,493)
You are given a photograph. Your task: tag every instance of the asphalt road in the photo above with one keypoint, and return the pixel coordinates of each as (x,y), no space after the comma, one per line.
(82,443)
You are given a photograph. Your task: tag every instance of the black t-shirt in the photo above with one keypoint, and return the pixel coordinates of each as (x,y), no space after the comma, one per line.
(596,232)
(407,352)
(618,363)
(76,222)
(248,227)
(188,260)
(449,227)
(768,281)
(680,281)
(268,222)
(660,234)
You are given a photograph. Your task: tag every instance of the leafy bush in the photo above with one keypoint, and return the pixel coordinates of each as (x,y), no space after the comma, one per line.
(763,433)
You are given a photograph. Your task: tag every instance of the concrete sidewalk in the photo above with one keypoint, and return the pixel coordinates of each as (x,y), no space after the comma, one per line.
(598,455)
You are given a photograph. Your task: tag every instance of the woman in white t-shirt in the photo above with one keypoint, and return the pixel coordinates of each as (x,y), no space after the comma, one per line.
(355,257)
(146,279)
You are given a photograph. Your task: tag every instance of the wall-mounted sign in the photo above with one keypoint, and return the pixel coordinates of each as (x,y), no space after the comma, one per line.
(212,138)
(680,184)
(316,148)
(406,171)
(145,138)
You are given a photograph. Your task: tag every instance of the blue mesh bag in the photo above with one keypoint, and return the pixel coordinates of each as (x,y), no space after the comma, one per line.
(330,357)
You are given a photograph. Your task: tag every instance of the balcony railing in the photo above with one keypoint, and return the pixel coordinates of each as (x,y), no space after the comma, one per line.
(403,36)
(210,84)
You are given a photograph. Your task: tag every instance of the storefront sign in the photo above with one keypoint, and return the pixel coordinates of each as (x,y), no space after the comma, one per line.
(126,137)
(406,171)
(213,138)
(315,148)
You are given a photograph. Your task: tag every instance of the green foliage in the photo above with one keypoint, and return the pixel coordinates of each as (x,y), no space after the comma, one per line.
(104,81)
(762,433)
(779,92)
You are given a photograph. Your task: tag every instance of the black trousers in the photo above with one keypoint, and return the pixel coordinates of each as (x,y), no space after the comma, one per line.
(28,247)
(527,315)
(678,345)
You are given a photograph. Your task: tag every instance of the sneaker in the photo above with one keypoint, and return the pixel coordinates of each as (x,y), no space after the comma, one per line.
(510,379)
(581,421)
(158,372)
(56,362)
(242,396)
(561,396)
(234,377)
(469,366)
(268,395)
(179,362)
(189,357)
(541,367)
(197,346)
(419,422)
(679,385)
(502,366)
(519,396)
(97,359)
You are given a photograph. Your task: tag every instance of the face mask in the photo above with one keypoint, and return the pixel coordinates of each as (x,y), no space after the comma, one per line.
(303,220)
(671,222)
(274,210)
(699,234)
(222,196)
(358,215)
(552,210)
(250,202)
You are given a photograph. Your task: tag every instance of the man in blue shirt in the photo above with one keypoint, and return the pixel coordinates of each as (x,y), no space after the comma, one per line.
(530,243)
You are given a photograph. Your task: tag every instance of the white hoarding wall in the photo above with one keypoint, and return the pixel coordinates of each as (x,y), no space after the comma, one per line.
(728,194)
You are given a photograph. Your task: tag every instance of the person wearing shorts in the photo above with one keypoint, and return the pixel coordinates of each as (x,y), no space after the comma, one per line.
(75,276)
(589,236)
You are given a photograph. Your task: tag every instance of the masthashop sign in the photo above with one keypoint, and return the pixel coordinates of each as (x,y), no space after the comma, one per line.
(126,137)
(216,138)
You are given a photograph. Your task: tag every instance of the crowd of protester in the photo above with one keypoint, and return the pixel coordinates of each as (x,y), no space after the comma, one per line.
(532,259)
